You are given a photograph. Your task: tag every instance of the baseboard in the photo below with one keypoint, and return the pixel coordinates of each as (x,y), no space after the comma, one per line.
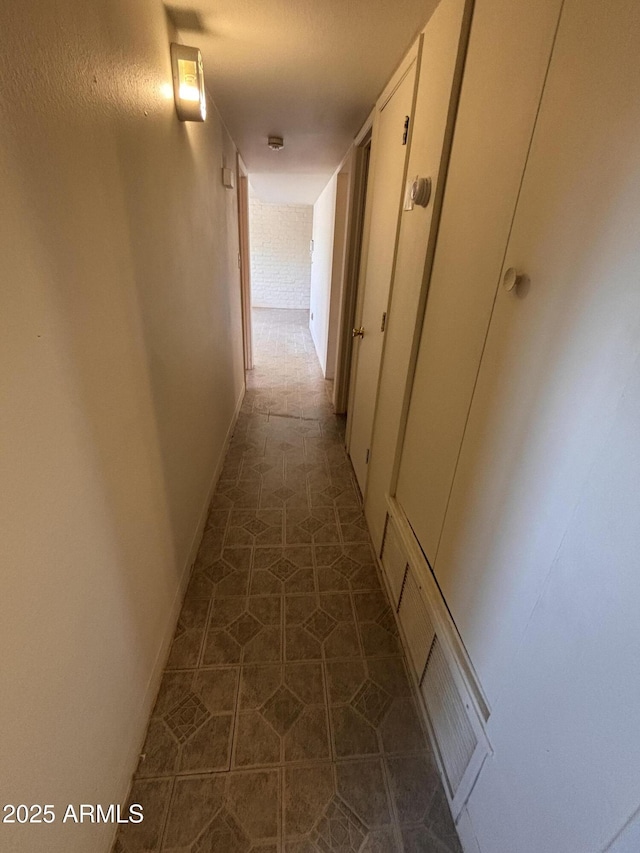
(466,833)
(197,536)
(153,684)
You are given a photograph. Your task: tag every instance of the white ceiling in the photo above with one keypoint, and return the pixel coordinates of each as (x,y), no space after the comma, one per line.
(307,70)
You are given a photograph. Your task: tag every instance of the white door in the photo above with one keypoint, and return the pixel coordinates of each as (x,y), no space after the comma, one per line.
(443,51)
(389,149)
(498,105)
(561,346)
(539,554)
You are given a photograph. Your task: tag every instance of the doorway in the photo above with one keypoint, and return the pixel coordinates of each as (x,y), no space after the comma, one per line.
(355,216)
(383,205)
(244,262)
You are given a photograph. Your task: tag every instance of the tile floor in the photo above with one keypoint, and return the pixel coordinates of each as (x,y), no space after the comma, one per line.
(285,719)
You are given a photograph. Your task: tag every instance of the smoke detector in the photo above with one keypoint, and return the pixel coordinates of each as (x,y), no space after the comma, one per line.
(275,143)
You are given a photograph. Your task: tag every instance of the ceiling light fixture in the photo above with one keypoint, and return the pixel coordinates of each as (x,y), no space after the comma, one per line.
(188,83)
(275,143)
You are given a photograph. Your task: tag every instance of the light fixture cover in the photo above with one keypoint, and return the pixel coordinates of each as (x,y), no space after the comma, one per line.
(275,143)
(188,83)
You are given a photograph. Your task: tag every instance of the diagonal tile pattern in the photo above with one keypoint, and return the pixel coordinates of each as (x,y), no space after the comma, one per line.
(373,702)
(285,721)
(339,829)
(282,710)
(186,718)
(320,624)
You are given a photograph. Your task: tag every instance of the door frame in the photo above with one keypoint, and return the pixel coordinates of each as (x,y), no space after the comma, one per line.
(244,262)
(359,156)
(412,57)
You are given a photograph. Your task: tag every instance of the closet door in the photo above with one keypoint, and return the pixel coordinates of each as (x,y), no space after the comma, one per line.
(562,343)
(508,54)
(443,51)
(384,195)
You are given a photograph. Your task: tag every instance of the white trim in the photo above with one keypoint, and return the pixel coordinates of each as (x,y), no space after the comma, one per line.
(400,73)
(413,57)
(458,662)
(357,158)
(466,833)
(244,258)
(361,274)
(197,536)
(242,168)
(443,623)
(361,136)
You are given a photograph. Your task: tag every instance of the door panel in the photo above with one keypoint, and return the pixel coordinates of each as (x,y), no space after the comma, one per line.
(499,100)
(561,347)
(385,195)
(443,51)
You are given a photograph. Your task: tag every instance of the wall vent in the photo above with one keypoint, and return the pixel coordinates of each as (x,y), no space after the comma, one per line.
(394,561)
(454,708)
(452,728)
(416,624)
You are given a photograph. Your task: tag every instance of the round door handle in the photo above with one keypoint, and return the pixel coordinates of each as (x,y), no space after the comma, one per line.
(421,191)
(511,279)
(358,333)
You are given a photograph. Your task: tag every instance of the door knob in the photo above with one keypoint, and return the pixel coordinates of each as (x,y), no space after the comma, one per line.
(421,191)
(358,333)
(511,279)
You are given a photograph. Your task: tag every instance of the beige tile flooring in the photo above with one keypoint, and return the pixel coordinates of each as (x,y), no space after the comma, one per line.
(285,720)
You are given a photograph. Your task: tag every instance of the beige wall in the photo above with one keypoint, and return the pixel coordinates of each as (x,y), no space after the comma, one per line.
(120,371)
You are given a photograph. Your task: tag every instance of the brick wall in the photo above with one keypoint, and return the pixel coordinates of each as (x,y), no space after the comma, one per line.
(280,258)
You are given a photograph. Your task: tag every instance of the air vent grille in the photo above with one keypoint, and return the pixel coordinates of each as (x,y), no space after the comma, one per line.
(393,559)
(454,733)
(416,623)
(453,703)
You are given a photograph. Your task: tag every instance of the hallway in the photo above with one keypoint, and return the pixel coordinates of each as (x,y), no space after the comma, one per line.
(285,719)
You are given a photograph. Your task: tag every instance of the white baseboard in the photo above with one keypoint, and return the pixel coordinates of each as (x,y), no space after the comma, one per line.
(153,684)
(466,833)
(197,536)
